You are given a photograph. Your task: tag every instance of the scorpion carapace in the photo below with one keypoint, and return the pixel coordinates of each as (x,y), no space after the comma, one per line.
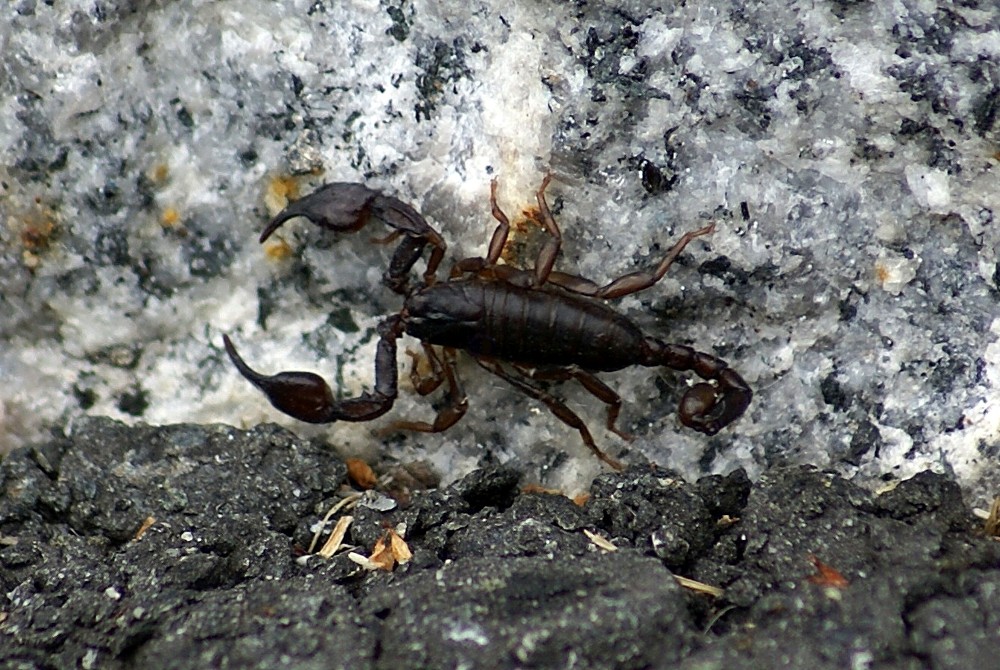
(527,327)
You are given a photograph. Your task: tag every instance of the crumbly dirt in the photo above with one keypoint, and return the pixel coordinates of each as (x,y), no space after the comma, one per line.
(187,546)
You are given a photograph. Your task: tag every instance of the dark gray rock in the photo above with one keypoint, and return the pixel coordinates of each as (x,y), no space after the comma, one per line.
(499,578)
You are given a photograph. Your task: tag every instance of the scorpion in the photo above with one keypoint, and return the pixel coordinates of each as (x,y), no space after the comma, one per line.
(528,327)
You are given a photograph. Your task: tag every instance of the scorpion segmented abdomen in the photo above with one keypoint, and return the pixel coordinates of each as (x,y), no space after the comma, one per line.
(553,328)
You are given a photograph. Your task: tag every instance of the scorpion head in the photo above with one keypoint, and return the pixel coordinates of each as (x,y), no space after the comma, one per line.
(443,313)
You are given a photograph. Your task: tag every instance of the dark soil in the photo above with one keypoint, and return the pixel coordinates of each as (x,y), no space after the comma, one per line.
(815,572)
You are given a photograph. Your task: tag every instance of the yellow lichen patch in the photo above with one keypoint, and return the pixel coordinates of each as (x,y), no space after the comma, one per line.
(159,173)
(170,217)
(280,189)
(30,260)
(35,230)
(277,249)
(522,229)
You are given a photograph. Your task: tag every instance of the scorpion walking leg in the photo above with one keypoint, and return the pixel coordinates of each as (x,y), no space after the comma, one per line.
(632,282)
(307,397)
(594,385)
(546,257)
(499,238)
(555,405)
(704,407)
(426,383)
(497,242)
(457,403)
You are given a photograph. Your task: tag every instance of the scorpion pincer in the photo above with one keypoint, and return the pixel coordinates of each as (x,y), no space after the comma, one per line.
(526,327)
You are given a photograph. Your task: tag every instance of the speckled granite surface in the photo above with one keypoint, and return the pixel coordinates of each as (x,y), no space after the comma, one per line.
(847,150)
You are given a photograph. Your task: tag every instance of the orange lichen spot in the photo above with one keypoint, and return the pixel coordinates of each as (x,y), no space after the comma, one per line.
(581,499)
(882,273)
(826,575)
(36,229)
(522,229)
(277,249)
(280,189)
(159,173)
(37,232)
(361,474)
(170,217)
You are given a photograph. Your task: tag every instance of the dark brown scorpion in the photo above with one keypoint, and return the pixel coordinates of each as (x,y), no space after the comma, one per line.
(524,326)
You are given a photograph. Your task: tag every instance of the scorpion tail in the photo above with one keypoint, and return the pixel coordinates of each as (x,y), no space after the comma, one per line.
(705,407)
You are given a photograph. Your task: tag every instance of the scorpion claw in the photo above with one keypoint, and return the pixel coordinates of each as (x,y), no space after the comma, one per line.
(303,395)
(347,207)
(337,206)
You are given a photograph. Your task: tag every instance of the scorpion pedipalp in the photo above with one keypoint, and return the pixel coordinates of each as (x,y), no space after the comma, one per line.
(307,397)
(708,409)
(347,207)
(339,206)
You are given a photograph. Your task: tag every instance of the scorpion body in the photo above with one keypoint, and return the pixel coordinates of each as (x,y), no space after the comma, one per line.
(520,325)
(527,327)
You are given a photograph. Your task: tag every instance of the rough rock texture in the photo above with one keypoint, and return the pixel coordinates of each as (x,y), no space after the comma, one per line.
(847,152)
(499,578)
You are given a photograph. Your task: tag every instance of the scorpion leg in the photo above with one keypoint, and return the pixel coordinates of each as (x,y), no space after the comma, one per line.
(347,207)
(704,407)
(499,238)
(556,406)
(307,397)
(457,403)
(476,264)
(426,383)
(546,257)
(632,282)
(591,383)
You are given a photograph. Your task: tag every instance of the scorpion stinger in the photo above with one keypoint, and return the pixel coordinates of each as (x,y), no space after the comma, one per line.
(704,407)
